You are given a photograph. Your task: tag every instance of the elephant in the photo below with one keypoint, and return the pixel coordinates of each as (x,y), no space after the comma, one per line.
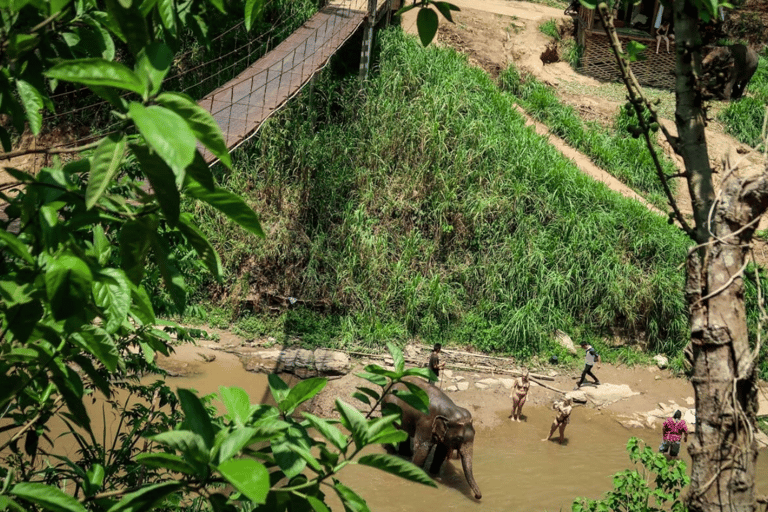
(727,70)
(448,427)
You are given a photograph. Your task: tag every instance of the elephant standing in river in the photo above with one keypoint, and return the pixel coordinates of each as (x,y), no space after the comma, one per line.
(448,427)
(727,70)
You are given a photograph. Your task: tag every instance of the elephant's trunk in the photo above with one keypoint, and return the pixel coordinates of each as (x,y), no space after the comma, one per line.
(466,463)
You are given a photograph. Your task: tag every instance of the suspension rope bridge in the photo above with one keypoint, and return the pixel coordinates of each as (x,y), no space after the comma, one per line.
(242,104)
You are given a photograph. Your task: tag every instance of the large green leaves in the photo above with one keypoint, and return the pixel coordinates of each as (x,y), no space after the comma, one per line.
(47,497)
(153,64)
(67,284)
(112,292)
(33,104)
(247,476)
(200,121)
(398,467)
(105,163)
(146,497)
(97,72)
(228,203)
(156,124)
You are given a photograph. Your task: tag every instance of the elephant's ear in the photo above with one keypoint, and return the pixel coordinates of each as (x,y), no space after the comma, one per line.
(440,427)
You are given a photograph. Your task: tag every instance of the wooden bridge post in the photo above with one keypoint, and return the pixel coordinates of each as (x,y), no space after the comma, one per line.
(365,55)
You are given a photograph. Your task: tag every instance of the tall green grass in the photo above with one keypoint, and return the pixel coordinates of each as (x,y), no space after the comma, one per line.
(612,149)
(420,205)
(744,118)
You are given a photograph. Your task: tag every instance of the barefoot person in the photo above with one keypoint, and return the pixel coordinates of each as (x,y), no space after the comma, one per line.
(561,420)
(519,394)
(672,432)
(590,358)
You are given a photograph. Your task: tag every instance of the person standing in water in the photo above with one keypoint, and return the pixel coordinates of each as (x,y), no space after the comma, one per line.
(519,394)
(562,419)
(672,432)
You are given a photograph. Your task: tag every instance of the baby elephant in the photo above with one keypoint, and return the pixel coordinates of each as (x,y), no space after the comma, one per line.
(727,71)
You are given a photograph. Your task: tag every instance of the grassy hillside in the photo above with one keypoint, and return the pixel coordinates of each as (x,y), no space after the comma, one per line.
(419,205)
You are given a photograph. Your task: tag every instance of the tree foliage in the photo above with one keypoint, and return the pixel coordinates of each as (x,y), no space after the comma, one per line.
(76,319)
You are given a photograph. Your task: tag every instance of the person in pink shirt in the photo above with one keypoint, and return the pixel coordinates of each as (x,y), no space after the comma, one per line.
(673,431)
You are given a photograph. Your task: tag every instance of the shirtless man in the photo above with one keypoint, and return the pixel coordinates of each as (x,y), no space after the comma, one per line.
(562,419)
(519,394)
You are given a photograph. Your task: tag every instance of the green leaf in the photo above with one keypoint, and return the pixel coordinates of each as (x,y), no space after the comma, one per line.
(200,121)
(172,278)
(169,461)
(97,342)
(253,12)
(634,50)
(155,123)
(163,181)
(155,60)
(135,240)
(235,441)
(589,4)
(97,72)
(112,292)
(445,9)
(327,430)
(300,393)
(17,248)
(105,163)
(146,498)
(7,503)
(406,8)
(379,380)
(227,203)
(46,496)
(202,246)
(68,285)
(352,502)
(141,309)
(196,417)
(167,11)
(277,387)
(426,23)
(287,456)
(200,172)
(33,104)
(132,23)
(397,356)
(398,467)
(247,476)
(191,445)
(95,479)
(353,421)
(317,505)
(238,404)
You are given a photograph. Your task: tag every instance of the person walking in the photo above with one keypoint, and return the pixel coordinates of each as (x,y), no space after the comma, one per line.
(519,394)
(673,430)
(562,419)
(590,358)
(434,360)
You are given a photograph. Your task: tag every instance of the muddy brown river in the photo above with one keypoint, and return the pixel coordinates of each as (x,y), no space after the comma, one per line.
(515,470)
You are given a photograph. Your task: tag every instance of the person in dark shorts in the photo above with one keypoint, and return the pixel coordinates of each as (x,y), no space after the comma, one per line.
(434,360)
(673,431)
(590,358)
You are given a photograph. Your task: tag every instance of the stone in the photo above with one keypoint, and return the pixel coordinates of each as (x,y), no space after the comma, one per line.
(458,378)
(480,385)
(658,377)
(690,417)
(690,400)
(577,396)
(463,385)
(331,362)
(661,361)
(448,374)
(507,383)
(629,424)
(605,394)
(451,388)
(489,382)
(301,362)
(412,352)
(565,341)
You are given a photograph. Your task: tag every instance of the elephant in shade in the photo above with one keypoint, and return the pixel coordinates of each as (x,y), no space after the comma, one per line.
(727,70)
(448,427)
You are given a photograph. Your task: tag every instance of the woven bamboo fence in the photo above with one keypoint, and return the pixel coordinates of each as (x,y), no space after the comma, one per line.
(656,70)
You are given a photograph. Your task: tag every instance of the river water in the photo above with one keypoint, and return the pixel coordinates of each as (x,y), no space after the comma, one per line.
(515,469)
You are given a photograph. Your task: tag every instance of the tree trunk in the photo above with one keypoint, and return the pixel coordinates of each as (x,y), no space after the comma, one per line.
(723,449)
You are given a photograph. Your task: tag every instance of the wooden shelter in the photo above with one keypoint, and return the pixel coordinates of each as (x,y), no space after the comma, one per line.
(641,22)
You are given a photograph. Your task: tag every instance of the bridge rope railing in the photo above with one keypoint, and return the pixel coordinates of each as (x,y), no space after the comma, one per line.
(234,50)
